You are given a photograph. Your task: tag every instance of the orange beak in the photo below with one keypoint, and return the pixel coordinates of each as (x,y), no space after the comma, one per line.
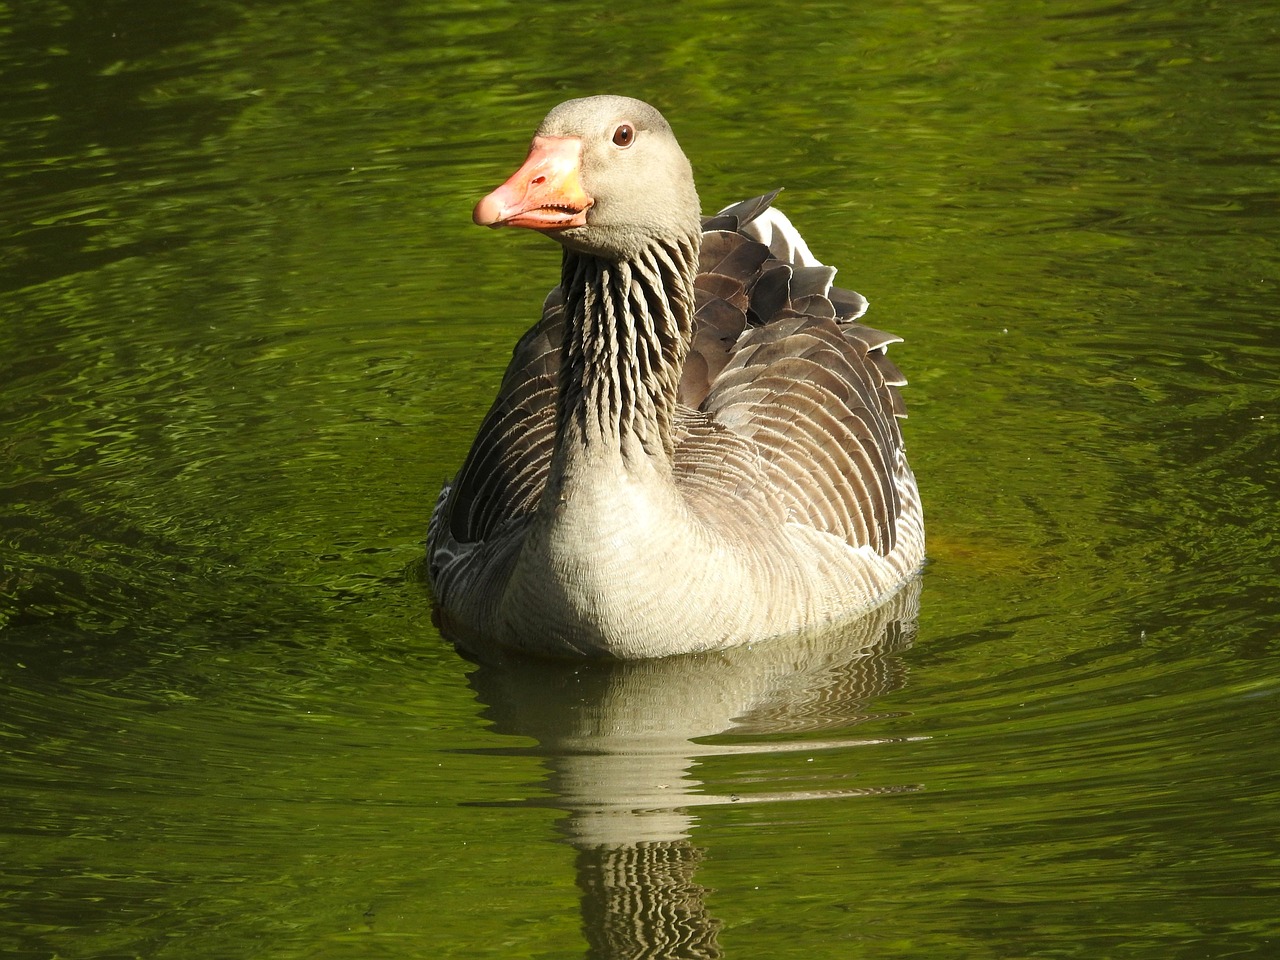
(544,194)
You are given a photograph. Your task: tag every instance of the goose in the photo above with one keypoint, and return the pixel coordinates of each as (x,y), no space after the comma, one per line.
(696,446)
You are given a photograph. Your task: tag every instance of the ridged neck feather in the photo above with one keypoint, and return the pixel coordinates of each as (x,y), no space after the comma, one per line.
(627,329)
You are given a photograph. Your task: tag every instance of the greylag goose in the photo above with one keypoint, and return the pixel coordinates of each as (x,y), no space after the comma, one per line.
(696,446)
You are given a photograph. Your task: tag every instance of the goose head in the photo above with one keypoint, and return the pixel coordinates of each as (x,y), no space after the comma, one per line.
(604,176)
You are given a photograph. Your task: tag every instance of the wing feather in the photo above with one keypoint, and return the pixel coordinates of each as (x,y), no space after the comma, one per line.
(506,470)
(806,385)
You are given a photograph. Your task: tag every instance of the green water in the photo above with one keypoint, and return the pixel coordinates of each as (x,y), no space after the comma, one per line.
(247,329)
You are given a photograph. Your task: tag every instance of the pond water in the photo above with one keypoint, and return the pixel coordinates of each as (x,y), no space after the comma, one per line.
(247,330)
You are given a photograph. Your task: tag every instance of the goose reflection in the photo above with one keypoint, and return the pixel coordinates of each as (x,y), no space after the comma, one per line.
(620,742)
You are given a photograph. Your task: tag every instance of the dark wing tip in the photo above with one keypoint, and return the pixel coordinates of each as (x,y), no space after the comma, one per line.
(738,215)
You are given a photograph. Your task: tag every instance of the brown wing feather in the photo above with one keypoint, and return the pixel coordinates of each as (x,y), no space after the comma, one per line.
(506,470)
(808,387)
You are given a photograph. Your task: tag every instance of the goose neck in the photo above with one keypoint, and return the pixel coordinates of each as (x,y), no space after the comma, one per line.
(628,325)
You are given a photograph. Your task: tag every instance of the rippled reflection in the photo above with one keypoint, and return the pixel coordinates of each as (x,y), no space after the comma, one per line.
(622,740)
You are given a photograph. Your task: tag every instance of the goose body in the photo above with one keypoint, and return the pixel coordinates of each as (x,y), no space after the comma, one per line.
(696,446)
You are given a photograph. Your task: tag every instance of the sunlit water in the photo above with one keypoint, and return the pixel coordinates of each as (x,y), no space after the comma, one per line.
(248,330)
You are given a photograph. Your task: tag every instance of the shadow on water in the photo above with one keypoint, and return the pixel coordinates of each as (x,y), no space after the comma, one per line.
(622,741)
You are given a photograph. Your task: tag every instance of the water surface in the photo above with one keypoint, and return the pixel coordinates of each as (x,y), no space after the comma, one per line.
(247,330)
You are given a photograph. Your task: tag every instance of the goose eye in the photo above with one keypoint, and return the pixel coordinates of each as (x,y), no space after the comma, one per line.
(623,136)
